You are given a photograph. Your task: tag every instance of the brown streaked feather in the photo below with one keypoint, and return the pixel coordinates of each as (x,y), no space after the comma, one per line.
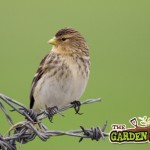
(38,75)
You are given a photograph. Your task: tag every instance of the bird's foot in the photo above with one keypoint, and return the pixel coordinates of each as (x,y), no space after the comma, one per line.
(76,105)
(31,115)
(50,112)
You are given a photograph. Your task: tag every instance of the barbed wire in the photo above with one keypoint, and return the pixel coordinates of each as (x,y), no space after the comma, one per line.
(26,130)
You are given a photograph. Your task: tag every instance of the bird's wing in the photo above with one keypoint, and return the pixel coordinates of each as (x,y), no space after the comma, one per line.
(37,76)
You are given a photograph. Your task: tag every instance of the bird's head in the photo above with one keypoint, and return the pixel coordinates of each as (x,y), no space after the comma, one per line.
(67,41)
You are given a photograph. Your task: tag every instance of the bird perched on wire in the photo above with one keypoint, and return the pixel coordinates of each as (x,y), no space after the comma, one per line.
(63,73)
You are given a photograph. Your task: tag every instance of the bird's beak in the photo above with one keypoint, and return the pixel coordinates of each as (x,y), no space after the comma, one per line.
(52,41)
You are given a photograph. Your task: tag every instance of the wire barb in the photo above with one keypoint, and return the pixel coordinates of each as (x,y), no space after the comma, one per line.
(26,131)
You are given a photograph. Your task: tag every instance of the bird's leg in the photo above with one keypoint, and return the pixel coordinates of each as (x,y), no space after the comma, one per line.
(51,111)
(76,105)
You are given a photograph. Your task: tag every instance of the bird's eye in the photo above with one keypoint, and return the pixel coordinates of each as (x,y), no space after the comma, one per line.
(63,39)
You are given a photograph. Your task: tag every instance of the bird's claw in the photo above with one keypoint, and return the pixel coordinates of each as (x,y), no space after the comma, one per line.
(76,105)
(50,112)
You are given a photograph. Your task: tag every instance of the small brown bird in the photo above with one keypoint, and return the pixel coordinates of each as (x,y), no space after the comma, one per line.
(63,73)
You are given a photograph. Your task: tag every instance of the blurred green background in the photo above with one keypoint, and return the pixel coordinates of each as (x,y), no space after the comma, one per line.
(118,33)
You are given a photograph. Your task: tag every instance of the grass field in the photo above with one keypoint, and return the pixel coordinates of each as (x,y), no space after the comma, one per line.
(118,33)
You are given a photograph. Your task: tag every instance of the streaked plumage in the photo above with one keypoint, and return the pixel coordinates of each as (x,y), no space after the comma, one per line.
(63,73)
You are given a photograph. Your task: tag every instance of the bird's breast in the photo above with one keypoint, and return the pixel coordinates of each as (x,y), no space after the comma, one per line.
(63,84)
